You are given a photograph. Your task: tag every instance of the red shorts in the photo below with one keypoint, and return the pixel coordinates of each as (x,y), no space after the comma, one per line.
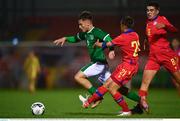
(165,57)
(123,73)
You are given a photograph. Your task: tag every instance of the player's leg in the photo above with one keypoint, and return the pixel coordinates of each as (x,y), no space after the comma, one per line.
(120,77)
(129,94)
(93,70)
(83,74)
(103,77)
(176,85)
(123,90)
(148,75)
(126,91)
(100,92)
(176,79)
(81,78)
(133,96)
(113,89)
(171,63)
(151,69)
(176,76)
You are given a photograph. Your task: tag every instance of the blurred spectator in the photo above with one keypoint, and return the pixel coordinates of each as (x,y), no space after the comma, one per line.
(4,72)
(176,46)
(15,67)
(32,70)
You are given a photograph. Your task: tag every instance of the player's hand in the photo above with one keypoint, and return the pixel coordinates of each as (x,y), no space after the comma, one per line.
(97,43)
(160,25)
(111,55)
(60,41)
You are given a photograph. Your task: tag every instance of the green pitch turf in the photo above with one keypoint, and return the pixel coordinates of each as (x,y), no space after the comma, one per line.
(64,103)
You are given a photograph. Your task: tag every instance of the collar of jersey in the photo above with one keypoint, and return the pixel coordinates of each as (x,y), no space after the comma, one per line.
(128,31)
(153,18)
(91,29)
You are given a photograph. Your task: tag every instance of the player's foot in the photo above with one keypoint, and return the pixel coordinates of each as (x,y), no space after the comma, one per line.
(122,113)
(85,104)
(137,109)
(144,105)
(84,101)
(96,103)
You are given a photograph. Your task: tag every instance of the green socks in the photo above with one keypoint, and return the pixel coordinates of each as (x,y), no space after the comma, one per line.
(92,90)
(129,94)
(133,96)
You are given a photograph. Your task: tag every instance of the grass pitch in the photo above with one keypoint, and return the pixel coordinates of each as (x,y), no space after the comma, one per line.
(64,103)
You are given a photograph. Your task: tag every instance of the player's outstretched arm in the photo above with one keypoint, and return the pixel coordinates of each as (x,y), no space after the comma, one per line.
(60,41)
(167,25)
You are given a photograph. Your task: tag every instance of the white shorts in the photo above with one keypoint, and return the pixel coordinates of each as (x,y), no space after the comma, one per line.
(94,69)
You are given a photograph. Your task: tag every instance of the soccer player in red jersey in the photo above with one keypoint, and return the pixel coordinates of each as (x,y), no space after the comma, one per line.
(160,52)
(128,41)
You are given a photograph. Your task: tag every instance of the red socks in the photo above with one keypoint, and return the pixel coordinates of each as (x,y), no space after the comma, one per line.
(119,99)
(142,93)
(98,94)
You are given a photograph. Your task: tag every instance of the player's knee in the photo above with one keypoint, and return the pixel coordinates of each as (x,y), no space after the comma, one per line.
(77,77)
(112,90)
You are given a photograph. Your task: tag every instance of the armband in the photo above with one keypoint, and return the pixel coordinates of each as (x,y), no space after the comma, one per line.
(104,46)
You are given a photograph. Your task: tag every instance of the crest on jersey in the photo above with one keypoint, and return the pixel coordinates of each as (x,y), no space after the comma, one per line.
(91,37)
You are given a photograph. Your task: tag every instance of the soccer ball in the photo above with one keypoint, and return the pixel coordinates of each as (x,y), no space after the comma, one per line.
(37,108)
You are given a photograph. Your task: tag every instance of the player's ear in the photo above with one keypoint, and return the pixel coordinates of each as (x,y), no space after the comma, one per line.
(157,11)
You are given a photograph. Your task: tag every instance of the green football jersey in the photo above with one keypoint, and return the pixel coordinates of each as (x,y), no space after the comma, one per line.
(96,53)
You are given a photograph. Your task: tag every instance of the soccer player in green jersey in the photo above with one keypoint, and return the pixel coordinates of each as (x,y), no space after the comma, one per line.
(98,64)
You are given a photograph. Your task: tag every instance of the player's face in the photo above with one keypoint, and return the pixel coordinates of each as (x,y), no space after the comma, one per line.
(151,12)
(83,25)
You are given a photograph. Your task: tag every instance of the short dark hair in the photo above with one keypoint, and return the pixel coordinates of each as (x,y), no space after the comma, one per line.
(154,4)
(128,21)
(86,15)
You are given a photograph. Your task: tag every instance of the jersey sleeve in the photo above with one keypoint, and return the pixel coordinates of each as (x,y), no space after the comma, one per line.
(117,41)
(103,37)
(78,37)
(169,26)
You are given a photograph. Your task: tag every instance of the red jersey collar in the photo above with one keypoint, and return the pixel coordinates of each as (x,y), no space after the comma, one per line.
(128,31)
(153,18)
